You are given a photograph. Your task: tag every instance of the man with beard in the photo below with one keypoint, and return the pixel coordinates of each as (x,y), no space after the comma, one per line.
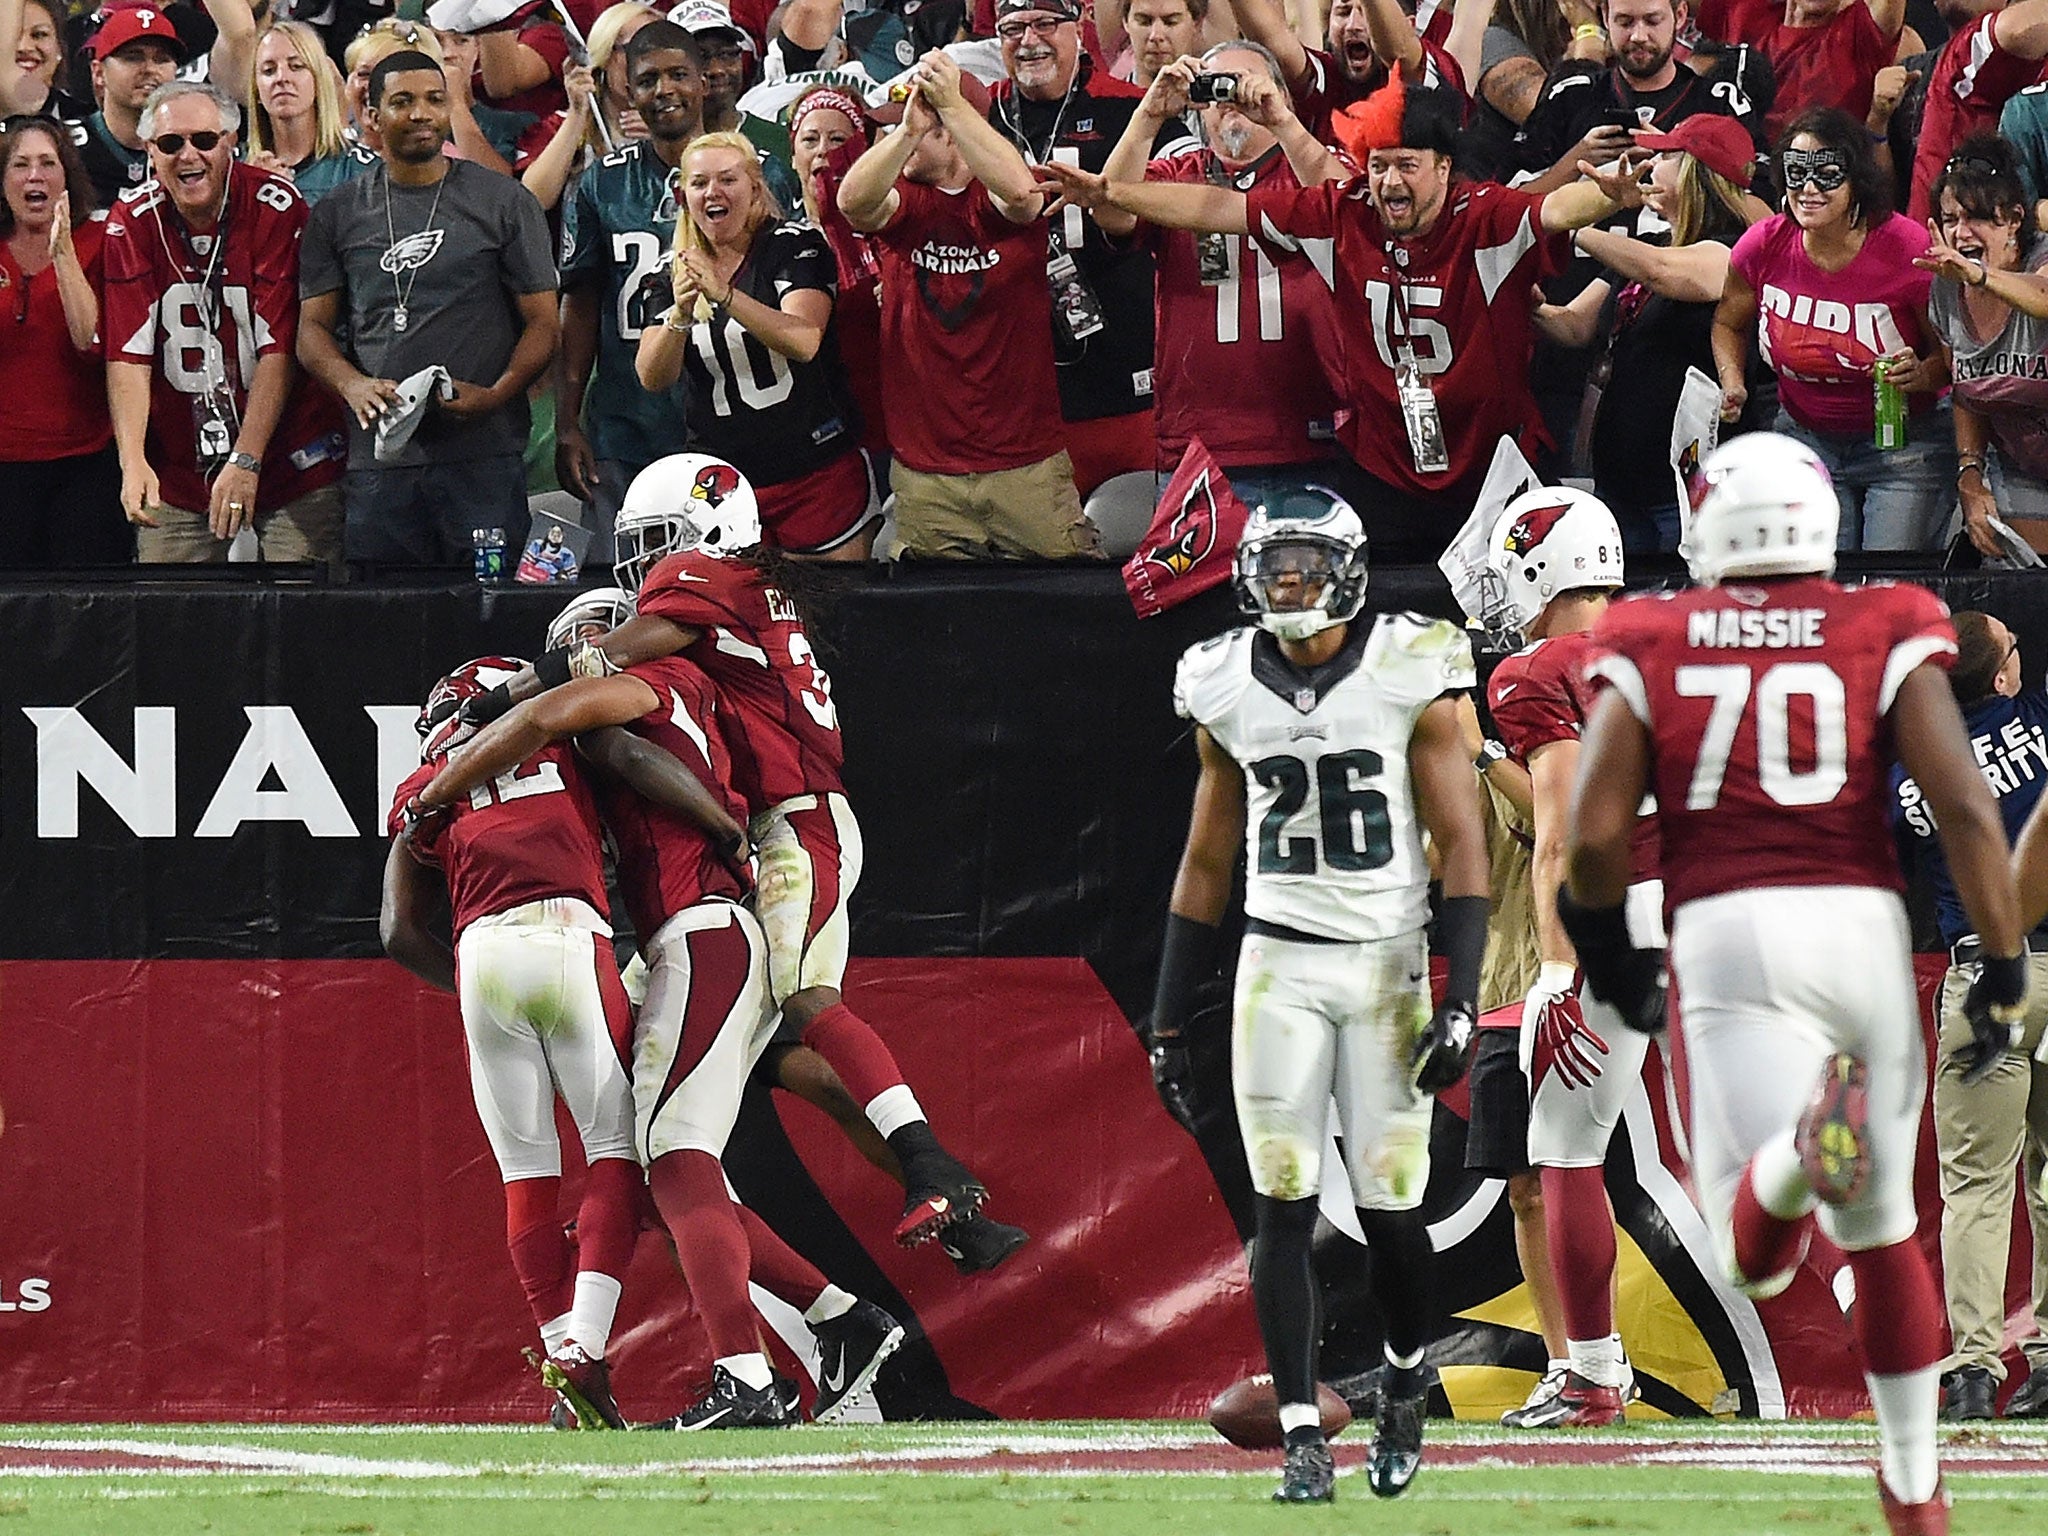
(1587,110)
(1364,35)
(1992,54)
(133,53)
(428,263)
(615,239)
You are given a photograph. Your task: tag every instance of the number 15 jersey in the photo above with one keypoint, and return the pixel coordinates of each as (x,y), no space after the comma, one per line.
(1333,846)
(1768,708)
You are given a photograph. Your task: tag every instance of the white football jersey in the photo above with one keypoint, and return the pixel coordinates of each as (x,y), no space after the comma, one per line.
(1333,846)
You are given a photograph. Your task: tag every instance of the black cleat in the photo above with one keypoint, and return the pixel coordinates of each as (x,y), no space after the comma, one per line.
(852,1348)
(939,1191)
(1396,1453)
(730,1404)
(1310,1473)
(976,1244)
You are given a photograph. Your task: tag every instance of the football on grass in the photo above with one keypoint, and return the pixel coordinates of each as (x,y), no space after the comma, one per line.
(1248,1414)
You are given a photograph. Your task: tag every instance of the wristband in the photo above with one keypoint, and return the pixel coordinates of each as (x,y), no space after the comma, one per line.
(486,707)
(2004,979)
(1461,934)
(1983,275)
(1969,462)
(553,667)
(1586,29)
(668,321)
(1188,955)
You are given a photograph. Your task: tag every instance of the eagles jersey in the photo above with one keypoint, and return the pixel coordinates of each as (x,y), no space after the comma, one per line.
(616,233)
(1333,847)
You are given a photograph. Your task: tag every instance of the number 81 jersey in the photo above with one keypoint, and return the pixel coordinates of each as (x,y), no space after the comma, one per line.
(1333,847)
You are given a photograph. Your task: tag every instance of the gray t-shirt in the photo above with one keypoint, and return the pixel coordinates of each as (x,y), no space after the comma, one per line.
(2003,379)
(458,268)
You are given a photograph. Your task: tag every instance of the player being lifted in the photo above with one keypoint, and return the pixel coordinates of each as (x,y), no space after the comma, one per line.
(1327,747)
(1763,710)
(689,541)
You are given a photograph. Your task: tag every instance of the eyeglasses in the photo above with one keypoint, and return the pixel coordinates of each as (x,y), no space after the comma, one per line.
(1043,26)
(203,141)
(1824,169)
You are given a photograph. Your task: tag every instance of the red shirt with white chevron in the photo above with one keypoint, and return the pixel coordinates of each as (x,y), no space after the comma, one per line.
(164,286)
(1973,80)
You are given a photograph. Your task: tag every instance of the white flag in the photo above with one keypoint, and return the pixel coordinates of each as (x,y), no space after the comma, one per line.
(1695,431)
(1465,563)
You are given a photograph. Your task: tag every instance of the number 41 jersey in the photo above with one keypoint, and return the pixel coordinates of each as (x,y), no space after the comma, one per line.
(1333,847)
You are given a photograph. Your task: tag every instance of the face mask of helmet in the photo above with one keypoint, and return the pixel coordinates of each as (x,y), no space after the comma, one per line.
(1298,585)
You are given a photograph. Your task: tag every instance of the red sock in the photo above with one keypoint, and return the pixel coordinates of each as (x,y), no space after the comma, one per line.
(540,1251)
(853,1049)
(711,1244)
(1581,1232)
(608,1220)
(778,1268)
(1899,1313)
(1765,1245)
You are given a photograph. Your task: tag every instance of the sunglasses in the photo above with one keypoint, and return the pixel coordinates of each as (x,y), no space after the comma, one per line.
(1820,168)
(173,143)
(1043,26)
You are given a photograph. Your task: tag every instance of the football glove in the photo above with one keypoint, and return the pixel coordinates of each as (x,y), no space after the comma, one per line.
(1444,1049)
(416,820)
(1994,1006)
(1174,1077)
(1555,1036)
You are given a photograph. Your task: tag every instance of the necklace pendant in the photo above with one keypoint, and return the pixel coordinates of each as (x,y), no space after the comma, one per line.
(398,318)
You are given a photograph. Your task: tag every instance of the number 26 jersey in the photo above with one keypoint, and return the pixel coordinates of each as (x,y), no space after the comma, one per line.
(1333,847)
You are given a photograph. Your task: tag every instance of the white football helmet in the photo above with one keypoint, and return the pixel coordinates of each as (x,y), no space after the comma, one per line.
(1548,540)
(685,501)
(440,724)
(599,612)
(1765,506)
(1301,563)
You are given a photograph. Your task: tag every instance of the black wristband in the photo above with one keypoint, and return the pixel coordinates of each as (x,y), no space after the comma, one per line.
(1188,955)
(2005,978)
(553,667)
(486,707)
(1600,935)
(1461,935)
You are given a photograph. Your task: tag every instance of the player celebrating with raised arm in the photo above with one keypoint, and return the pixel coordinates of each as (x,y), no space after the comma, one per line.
(1763,710)
(1327,747)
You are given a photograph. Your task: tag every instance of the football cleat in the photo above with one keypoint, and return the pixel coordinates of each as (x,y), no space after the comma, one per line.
(976,1244)
(790,1393)
(1927,1518)
(730,1404)
(584,1385)
(2031,1401)
(1538,1402)
(1309,1474)
(1396,1454)
(1577,1404)
(852,1349)
(939,1191)
(1834,1132)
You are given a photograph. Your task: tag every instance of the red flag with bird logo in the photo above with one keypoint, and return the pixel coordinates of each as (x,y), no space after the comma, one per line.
(1192,542)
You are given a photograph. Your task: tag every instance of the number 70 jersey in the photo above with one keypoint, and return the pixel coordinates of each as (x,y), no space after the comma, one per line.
(1333,845)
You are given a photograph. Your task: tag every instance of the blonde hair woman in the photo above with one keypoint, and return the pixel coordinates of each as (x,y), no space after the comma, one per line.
(296,124)
(600,116)
(752,326)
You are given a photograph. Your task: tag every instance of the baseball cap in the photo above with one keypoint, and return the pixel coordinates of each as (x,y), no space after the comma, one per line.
(1066,10)
(408,408)
(136,24)
(1719,143)
(695,16)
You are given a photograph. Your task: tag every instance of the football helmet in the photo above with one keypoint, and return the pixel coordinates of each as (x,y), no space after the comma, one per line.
(1301,563)
(1548,540)
(599,612)
(685,501)
(441,726)
(1765,506)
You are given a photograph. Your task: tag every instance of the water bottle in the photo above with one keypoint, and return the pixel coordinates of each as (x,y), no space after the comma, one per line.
(489,547)
(1891,407)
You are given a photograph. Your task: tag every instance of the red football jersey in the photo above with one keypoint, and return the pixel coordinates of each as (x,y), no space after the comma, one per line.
(1767,707)
(1327,90)
(1460,298)
(1543,694)
(1973,80)
(775,699)
(1830,65)
(666,862)
(526,836)
(1248,363)
(172,299)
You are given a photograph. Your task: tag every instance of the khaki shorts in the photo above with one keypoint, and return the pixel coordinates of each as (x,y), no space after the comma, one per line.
(1032,513)
(306,530)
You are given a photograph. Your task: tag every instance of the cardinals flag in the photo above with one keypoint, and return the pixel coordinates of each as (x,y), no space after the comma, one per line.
(1192,542)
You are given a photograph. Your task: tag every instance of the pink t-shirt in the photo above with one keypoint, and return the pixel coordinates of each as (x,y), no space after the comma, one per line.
(1820,331)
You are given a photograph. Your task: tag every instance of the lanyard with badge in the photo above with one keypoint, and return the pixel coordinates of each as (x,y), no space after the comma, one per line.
(1419,412)
(216,418)
(1076,311)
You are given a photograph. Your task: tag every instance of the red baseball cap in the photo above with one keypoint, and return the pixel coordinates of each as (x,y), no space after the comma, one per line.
(136,24)
(1719,143)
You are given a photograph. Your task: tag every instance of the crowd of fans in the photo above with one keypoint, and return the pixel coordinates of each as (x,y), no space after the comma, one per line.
(352,286)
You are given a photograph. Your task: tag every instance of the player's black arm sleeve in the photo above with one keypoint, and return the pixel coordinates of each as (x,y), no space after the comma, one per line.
(658,775)
(1188,956)
(1621,975)
(415,902)
(1461,930)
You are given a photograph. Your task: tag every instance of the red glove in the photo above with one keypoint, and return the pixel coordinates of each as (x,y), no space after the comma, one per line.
(1555,1036)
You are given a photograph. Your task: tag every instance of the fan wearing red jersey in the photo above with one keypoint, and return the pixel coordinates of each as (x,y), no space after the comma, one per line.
(707,1015)
(1433,46)
(1763,709)
(519,861)
(1555,560)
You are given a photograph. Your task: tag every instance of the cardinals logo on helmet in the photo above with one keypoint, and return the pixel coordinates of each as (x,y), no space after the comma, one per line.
(1533,527)
(413,251)
(714,483)
(1191,534)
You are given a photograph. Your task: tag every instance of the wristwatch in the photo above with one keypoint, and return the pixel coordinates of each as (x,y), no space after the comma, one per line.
(1490,752)
(247,461)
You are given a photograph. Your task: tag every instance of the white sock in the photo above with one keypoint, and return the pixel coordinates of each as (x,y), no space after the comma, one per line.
(1779,1181)
(894,1108)
(1397,1362)
(751,1369)
(832,1302)
(1598,1360)
(590,1316)
(555,1332)
(1295,1416)
(1557,1365)
(1907,1407)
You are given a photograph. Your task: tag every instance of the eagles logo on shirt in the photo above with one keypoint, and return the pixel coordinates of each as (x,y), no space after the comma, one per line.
(714,483)
(413,251)
(1191,534)
(1532,528)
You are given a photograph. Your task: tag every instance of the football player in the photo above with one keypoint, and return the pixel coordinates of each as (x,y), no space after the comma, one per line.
(1327,747)
(689,541)
(1762,709)
(520,862)
(1554,560)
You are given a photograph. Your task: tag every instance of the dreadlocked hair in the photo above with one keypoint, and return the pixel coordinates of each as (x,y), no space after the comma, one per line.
(804,583)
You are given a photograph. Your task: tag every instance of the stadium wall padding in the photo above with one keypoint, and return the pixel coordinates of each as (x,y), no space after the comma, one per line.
(241,1173)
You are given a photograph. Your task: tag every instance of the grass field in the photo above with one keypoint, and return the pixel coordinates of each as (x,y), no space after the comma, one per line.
(1726,1479)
